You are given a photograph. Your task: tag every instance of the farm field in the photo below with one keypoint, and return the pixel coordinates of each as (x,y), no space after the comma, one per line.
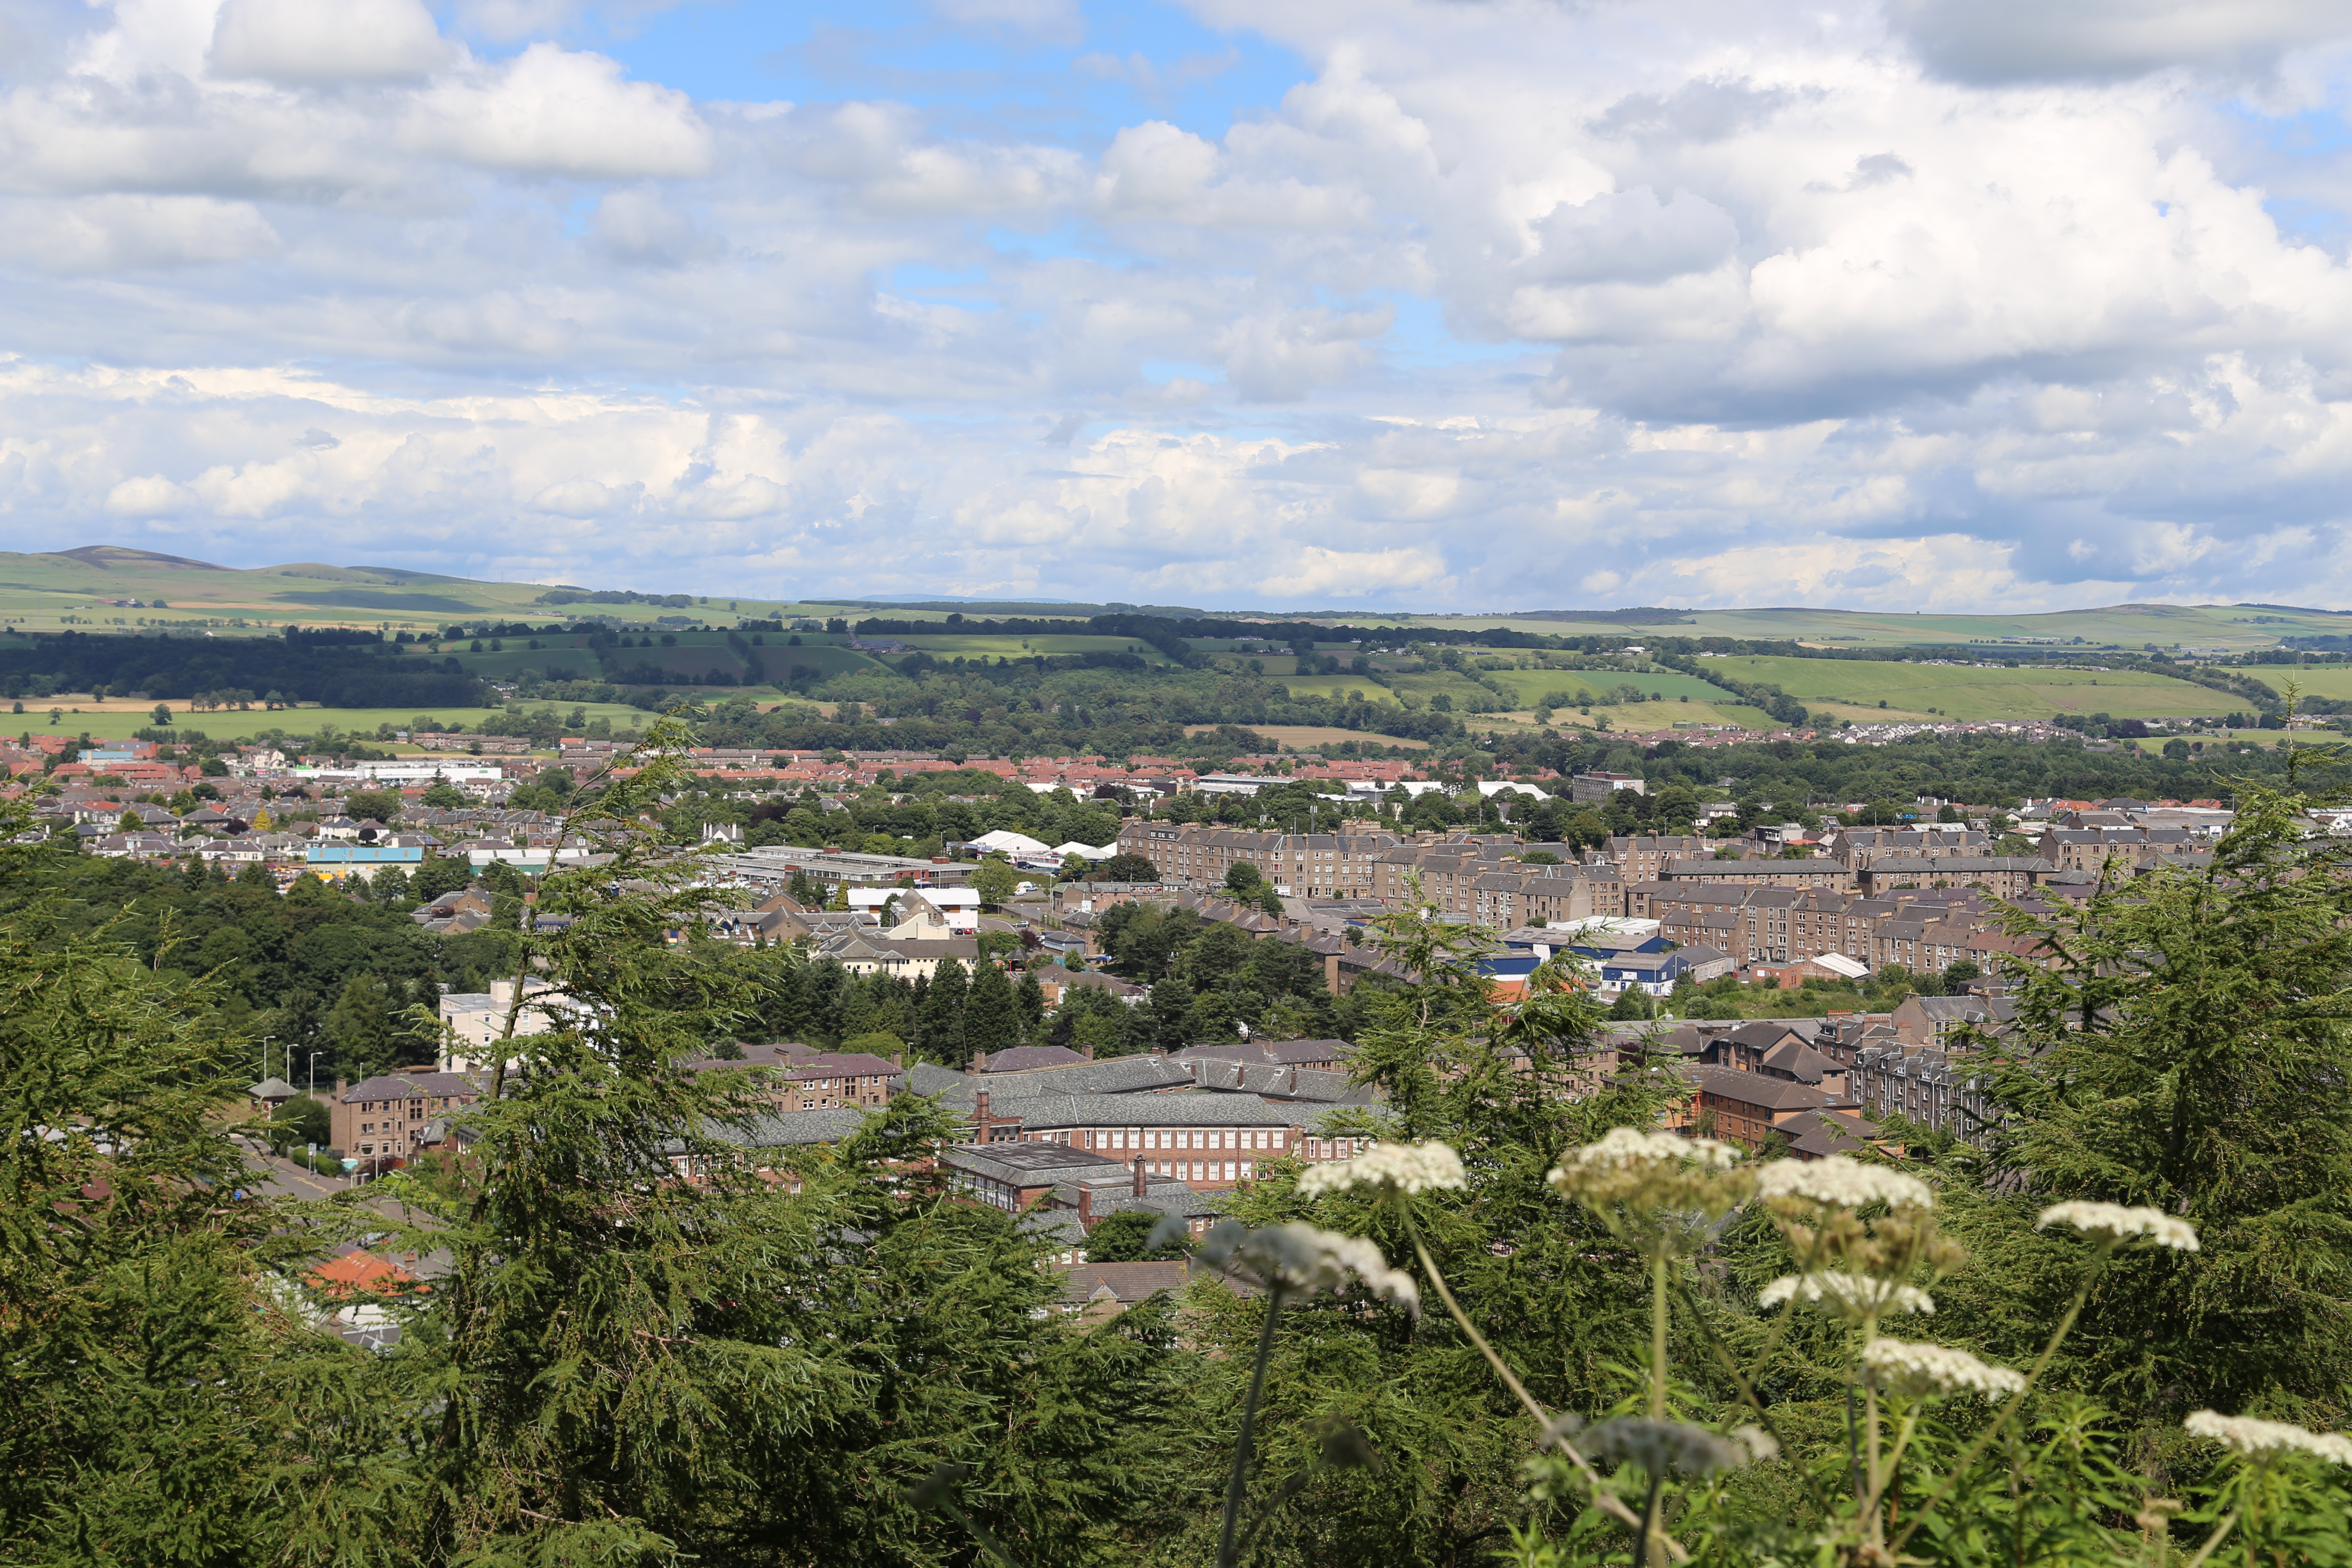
(1307,737)
(120,721)
(953,645)
(1533,685)
(2316,679)
(1635,716)
(1853,689)
(2133,626)
(1339,686)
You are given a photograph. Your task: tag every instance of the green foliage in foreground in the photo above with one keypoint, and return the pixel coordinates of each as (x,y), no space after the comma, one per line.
(636,1350)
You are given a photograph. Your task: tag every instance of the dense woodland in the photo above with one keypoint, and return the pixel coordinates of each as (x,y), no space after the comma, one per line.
(614,1366)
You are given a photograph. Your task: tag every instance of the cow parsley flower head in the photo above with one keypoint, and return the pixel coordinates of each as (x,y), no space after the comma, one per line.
(2248,1436)
(1301,1260)
(1838,1181)
(2113,1225)
(1621,1148)
(1659,1446)
(1657,1191)
(1920,1370)
(1393,1167)
(1849,1295)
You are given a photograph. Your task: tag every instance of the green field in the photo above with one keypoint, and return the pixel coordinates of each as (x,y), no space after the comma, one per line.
(1533,685)
(2128,627)
(228,723)
(2315,679)
(956,645)
(1853,689)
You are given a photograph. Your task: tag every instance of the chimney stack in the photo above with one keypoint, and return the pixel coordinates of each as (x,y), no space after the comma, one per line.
(1085,1206)
(1086,1050)
(980,1061)
(1141,1175)
(979,1115)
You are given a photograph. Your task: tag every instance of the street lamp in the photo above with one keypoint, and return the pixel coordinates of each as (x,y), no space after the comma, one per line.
(264,1057)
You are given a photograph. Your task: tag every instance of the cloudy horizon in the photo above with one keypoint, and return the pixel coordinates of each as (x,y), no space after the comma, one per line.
(1919,305)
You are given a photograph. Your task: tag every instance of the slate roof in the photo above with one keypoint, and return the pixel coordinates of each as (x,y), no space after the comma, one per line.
(790,1129)
(1108,1075)
(1193,1110)
(1273,1053)
(1125,1283)
(1319,1085)
(1028,1058)
(412,1086)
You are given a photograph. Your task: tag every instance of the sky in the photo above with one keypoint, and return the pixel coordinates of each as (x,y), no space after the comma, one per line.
(1449,304)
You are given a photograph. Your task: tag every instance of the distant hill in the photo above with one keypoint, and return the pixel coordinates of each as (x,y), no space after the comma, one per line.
(89,587)
(109,557)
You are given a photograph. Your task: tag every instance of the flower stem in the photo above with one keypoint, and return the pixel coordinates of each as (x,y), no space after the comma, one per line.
(2001,1419)
(1249,1420)
(2212,1542)
(1658,1338)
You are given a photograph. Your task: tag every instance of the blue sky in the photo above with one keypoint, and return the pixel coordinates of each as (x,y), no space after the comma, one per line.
(1910,304)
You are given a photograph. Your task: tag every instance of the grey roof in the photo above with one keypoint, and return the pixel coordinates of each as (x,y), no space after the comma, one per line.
(1109,1075)
(412,1086)
(1274,1053)
(1086,1282)
(273,1088)
(929,1077)
(1194,1109)
(1164,1196)
(789,1129)
(1036,1163)
(1029,1059)
(1317,1084)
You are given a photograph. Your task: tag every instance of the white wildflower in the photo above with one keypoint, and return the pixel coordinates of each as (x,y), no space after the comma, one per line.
(1919,1369)
(2113,1224)
(1624,1146)
(1761,1445)
(2248,1436)
(1301,1259)
(1843,1182)
(1658,1446)
(1398,1167)
(1850,1294)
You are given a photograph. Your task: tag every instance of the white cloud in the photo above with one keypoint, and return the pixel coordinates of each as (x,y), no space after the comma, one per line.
(313,41)
(1497,304)
(552,110)
(121,232)
(2031,40)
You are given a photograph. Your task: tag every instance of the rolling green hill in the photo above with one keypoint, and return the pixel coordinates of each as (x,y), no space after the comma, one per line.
(1856,689)
(73,587)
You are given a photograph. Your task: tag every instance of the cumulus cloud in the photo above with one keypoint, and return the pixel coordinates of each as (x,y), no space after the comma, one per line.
(1996,41)
(314,41)
(124,233)
(552,110)
(1488,305)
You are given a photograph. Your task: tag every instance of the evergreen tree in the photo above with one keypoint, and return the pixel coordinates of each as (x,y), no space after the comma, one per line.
(1171,1000)
(938,1022)
(358,1031)
(1030,998)
(992,1013)
(2187,1054)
